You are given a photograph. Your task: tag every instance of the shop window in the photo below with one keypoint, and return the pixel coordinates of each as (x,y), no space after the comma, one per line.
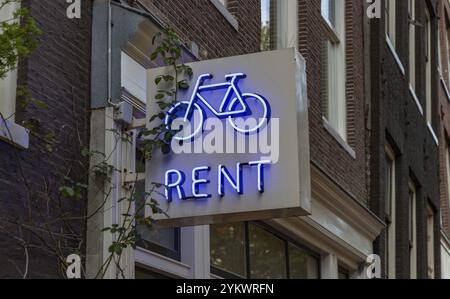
(279,24)
(390,21)
(412,229)
(302,265)
(250,250)
(227,241)
(267,255)
(390,212)
(430,242)
(412,42)
(343,274)
(334,65)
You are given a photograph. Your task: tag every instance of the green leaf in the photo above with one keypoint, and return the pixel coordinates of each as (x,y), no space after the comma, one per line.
(67,191)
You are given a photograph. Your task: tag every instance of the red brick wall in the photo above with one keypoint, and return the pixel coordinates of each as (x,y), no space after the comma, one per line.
(326,152)
(201,22)
(58,74)
(444,104)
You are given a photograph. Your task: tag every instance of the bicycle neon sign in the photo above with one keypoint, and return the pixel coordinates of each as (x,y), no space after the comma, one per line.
(230,108)
(235,104)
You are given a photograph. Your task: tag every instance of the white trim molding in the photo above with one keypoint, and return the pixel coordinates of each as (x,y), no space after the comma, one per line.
(338,138)
(226,14)
(394,53)
(416,99)
(444,85)
(14,134)
(339,225)
(433,134)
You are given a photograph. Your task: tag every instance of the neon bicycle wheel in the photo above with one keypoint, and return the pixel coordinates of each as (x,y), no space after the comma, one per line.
(258,117)
(187,130)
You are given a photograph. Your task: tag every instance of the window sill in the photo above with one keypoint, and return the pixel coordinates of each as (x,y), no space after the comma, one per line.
(14,134)
(394,52)
(330,31)
(338,138)
(416,100)
(447,93)
(433,134)
(227,15)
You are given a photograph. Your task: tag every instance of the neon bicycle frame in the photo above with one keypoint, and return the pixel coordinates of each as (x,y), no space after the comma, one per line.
(231,86)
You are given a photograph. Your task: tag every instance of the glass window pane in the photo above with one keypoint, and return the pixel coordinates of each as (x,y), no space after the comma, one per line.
(302,265)
(267,254)
(166,240)
(228,248)
(329,11)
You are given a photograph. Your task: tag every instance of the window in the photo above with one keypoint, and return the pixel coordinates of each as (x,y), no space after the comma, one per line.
(250,250)
(390,21)
(134,88)
(8,84)
(412,231)
(279,24)
(412,43)
(390,196)
(430,242)
(447,47)
(343,274)
(428,53)
(335,106)
(227,241)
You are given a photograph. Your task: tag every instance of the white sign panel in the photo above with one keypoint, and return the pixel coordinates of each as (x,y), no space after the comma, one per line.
(242,152)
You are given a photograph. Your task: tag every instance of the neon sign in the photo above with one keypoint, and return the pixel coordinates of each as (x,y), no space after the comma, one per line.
(230,108)
(176,180)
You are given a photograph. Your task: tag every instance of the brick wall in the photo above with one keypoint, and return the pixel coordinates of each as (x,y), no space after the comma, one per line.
(57,73)
(396,120)
(444,113)
(326,151)
(201,22)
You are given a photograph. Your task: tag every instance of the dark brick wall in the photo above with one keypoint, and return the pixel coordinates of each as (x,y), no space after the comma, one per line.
(201,22)
(326,152)
(444,114)
(395,120)
(57,73)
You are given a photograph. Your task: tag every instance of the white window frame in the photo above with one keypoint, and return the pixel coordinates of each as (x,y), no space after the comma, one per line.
(287,24)
(10,132)
(390,21)
(336,115)
(412,43)
(391,210)
(413,230)
(428,97)
(221,6)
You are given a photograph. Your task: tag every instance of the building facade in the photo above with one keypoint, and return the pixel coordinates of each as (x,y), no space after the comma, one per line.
(404,126)
(444,98)
(336,240)
(32,165)
(376,127)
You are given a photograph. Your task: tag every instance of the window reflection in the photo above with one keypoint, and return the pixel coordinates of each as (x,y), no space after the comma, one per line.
(228,248)
(302,265)
(267,254)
